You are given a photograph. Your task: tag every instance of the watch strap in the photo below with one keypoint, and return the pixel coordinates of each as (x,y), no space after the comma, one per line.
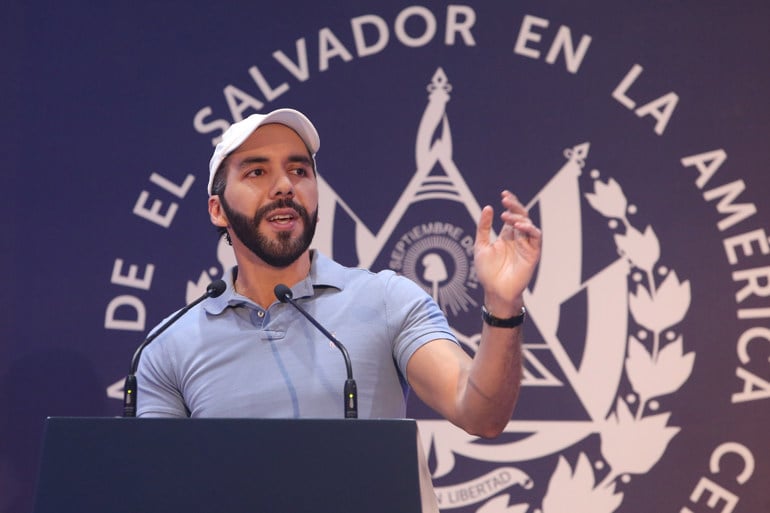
(497,322)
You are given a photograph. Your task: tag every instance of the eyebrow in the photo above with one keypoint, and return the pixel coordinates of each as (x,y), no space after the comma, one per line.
(302,159)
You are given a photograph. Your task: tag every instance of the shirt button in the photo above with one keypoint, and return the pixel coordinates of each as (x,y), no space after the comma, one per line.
(261,313)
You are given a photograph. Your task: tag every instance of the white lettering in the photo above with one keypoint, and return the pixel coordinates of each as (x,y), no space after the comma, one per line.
(526,35)
(400,26)
(620,91)
(661,108)
(706,164)
(206,128)
(153,213)
(728,193)
(716,493)
(180,191)
(455,26)
(754,387)
(744,242)
(267,91)
(329,47)
(748,336)
(753,277)
(239,102)
(754,313)
(130,279)
(300,69)
(737,449)
(383,35)
(467,244)
(111,322)
(563,44)
(370,35)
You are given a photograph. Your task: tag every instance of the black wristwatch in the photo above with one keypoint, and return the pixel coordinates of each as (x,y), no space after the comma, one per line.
(511,322)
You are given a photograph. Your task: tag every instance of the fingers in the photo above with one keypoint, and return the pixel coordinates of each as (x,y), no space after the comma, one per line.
(512,204)
(485,226)
(516,221)
(527,233)
(513,216)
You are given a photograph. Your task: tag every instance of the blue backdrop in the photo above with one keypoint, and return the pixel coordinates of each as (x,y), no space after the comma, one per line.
(636,131)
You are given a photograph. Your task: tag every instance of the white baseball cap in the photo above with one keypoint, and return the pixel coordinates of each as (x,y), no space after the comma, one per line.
(240,131)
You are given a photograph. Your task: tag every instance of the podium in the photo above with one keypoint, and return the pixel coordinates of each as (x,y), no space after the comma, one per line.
(104,465)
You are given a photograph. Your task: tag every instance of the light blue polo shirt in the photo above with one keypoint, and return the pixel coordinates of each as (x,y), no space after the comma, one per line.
(228,357)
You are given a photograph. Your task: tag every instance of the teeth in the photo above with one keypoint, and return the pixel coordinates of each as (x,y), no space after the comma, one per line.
(281,218)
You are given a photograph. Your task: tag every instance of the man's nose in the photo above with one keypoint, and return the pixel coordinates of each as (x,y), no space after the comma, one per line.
(283,186)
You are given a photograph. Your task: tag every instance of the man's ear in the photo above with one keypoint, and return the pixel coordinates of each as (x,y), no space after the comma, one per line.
(217,213)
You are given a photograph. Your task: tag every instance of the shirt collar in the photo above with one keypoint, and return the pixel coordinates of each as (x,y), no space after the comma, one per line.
(324,273)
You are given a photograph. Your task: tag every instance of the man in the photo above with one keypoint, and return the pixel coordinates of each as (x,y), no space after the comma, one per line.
(246,354)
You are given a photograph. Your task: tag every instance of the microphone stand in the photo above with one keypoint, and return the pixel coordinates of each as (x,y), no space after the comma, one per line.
(215,288)
(350,391)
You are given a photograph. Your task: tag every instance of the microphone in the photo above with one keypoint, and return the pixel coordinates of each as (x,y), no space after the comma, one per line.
(215,289)
(350,393)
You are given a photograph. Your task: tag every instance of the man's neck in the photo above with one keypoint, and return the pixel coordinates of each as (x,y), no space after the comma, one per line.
(256,280)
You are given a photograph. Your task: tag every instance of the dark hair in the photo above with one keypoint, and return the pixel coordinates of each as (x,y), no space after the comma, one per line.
(220,179)
(218,189)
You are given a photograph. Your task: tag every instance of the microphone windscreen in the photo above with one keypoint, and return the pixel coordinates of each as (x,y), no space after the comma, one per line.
(282,292)
(216,288)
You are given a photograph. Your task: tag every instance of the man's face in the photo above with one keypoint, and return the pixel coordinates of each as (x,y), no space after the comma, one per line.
(271,198)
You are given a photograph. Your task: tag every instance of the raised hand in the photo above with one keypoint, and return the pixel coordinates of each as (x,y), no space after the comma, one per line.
(505,266)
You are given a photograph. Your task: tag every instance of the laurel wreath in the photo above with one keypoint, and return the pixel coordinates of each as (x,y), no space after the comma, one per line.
(635,435)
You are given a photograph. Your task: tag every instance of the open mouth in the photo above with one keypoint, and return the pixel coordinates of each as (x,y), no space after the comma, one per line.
(283,218)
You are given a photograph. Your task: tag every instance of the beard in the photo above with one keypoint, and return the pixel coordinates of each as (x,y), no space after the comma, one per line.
(277,253)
